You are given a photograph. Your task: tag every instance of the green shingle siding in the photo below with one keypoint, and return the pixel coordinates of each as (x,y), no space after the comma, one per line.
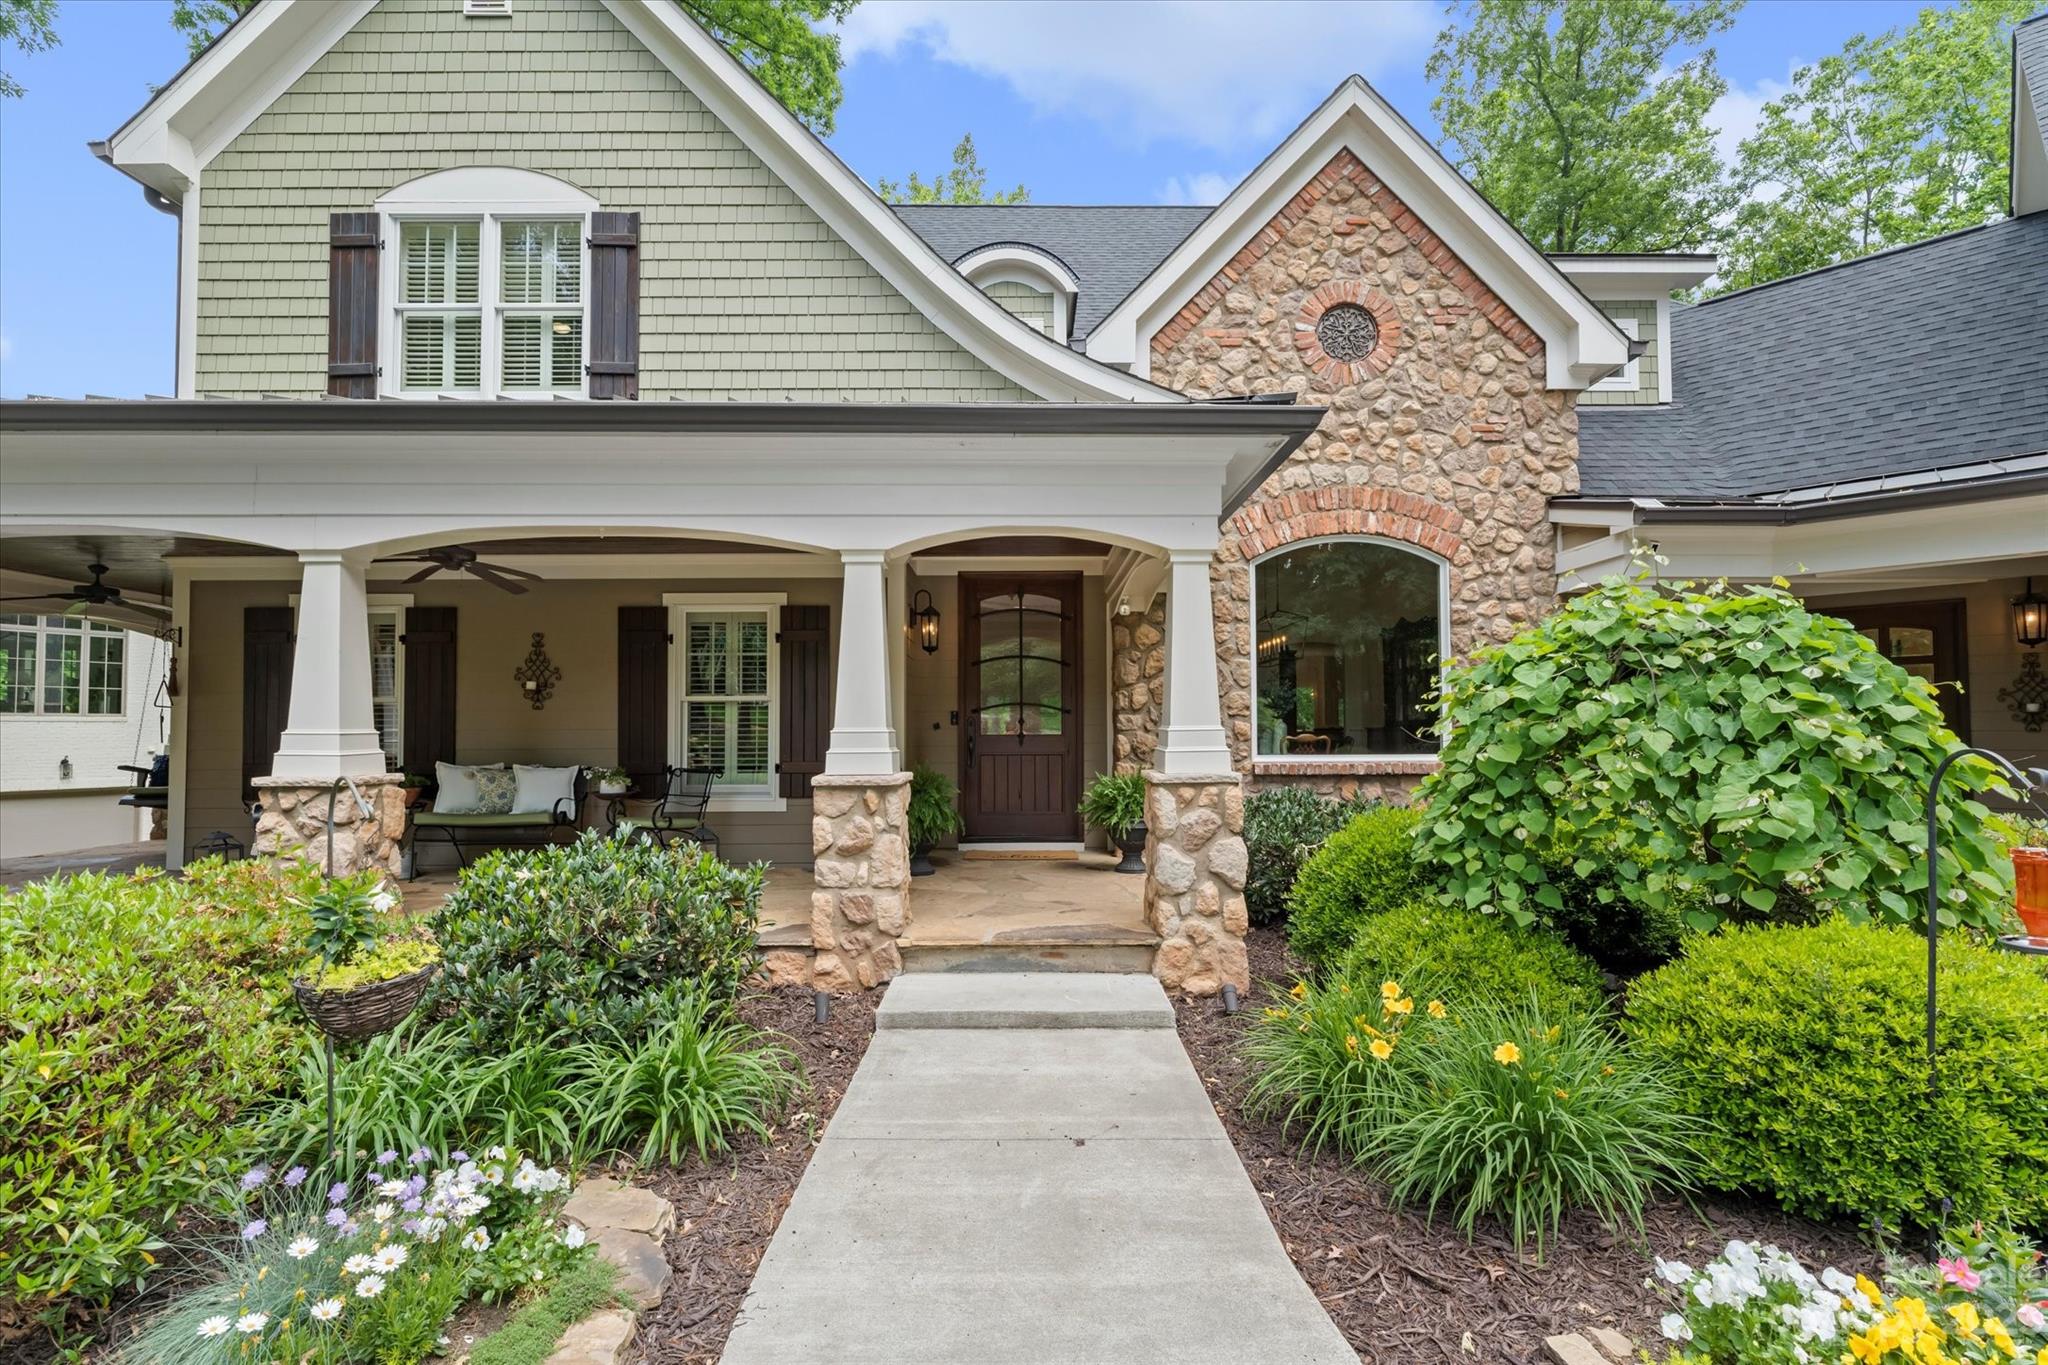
(1645,315)
(746,294)
(1032,305)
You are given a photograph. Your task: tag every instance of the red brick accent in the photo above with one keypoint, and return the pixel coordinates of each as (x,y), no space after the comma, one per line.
(1372,301)
(1348,510)
(1345,166)
(1345,767)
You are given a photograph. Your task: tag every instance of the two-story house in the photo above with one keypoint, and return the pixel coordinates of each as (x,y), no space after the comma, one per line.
(548,395)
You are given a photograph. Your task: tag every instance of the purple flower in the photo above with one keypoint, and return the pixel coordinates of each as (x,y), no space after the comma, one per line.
(351,1228)
(255,1177)
(420,1156)
(457,1158)
(336,1217)
(256,1228)
(337,1192)
(412,1204)
(295,1177)
(416,1185)
(411,1226)
(386,1158)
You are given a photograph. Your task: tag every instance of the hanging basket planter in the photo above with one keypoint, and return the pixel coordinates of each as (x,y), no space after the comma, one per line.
(364,1011)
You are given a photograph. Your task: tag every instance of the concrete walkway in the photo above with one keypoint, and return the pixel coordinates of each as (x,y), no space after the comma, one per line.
(1026,1168)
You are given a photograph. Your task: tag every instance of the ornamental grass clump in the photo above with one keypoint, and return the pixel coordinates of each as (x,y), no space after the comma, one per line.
(1750,755)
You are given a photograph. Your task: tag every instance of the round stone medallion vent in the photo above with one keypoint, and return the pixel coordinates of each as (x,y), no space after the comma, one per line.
(1347,332)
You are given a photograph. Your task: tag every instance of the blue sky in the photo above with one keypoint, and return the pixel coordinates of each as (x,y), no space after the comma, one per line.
(1083,101)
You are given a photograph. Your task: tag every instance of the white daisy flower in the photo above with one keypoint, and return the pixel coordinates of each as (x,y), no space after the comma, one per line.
(327,1310)
(355,1265)
(391,1189)
(384,1213)
(389,1258)
(370,1286)
(249,1324)
(302,1247)
(215,1326)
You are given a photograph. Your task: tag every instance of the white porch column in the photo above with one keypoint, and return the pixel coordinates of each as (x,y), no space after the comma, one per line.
(331,731)
(863,739)
(1191,737)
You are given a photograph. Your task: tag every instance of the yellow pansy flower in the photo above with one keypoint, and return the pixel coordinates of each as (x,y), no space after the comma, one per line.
(1382,1049)
(1967,1319)
(1869,1291)
(1507,1054)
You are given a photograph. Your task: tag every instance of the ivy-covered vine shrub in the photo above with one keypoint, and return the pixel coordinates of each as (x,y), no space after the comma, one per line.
(579,939)
(1282,827)
(1752,755)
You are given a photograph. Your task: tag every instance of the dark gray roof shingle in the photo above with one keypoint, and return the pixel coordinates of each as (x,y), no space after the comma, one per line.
(1109,247)
(1925,357)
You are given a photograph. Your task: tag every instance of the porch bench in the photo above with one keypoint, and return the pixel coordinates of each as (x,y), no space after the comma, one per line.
(465,830)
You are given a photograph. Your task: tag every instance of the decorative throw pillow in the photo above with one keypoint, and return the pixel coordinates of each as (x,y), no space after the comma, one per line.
(495,789)
(455,789)
(540,788)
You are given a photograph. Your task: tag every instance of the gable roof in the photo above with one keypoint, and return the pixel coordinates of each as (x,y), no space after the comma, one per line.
(2030,116)
(1581,345)
(167,144)
(1109,248)
(1926,357)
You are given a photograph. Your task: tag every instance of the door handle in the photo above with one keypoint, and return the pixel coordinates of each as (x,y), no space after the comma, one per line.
(970,745)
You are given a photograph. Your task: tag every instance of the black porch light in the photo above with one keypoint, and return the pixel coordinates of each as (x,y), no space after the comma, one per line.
(2030,618)
(926,619)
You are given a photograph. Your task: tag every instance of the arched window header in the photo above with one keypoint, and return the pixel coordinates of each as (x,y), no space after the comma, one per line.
(1017,263)
(1348,635)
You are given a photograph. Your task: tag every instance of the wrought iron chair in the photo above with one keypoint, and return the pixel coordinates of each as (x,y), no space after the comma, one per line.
(679,814)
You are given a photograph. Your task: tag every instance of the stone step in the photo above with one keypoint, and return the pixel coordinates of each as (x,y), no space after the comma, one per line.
(1024,1000)
(1133,957)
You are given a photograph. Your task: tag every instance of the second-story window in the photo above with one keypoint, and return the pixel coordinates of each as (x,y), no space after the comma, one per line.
(490,305)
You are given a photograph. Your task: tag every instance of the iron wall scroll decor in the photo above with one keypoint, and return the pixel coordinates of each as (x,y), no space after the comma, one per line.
(538,675)
(2028,695)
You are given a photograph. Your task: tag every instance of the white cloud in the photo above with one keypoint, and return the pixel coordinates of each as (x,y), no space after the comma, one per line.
(1183,69)
(1736,114)
(1198,187)
(6,346)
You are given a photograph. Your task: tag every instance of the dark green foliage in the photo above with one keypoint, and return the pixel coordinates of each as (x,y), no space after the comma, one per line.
(530,1336)
(1480,959)
(577,939)
(1282,827)
(1366,868)
(1747,751)
(1599,918)
(1114,802)
(1803,1046)
(145,1015)
(934,810)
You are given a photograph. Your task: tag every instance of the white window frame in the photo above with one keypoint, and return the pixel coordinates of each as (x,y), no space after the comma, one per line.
(766,797)
(395,605)
(43,631)
(488,196)
(1443,646)
(1626,379)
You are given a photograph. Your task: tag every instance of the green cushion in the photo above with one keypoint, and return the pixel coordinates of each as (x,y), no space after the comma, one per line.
(479,820)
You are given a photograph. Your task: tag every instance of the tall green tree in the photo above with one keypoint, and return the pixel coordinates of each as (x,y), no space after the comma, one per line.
(1892,140)
(780,41)
(1585,121)
(31,25)
(966,183)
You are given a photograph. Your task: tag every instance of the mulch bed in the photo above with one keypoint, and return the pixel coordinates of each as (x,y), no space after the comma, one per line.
(1403,1291)
(727,1210)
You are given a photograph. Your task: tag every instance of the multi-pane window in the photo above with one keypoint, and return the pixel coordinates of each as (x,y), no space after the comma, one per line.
(387,685)
(490,305)
(726,703)
(61,666)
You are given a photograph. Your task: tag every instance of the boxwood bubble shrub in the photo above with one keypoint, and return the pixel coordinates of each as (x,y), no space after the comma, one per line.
(1804,1047)
(1365,869)
(1479,959)
(1747,748)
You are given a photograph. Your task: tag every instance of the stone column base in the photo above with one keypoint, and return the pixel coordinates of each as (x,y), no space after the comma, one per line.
(293,822)
(1195,866)
(860,840)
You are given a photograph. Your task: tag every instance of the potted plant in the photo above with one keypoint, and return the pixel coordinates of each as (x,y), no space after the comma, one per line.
(1115,804)
(934,814)
(358,982)
(412,787)
(2030,878)
(612,781)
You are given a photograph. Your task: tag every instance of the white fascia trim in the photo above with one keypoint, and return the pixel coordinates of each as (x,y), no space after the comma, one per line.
(2029,144)
(1052,272)
(1635,277)
(214,99)
(1012,348)
(1580,344)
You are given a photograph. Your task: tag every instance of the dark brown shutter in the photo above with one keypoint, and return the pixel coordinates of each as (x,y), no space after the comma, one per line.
(352,250)
(266,689)
(806,642)
(614,305)
(429,688)
(643,695)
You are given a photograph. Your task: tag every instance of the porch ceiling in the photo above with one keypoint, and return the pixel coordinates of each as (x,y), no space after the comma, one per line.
(135,561)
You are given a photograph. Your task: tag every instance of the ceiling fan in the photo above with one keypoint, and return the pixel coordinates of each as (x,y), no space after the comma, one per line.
(462,559)
(97,601)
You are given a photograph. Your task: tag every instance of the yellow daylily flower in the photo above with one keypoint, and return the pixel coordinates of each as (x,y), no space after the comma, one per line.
(1300,991)
(1390,990)
(1562,1094)
(1402,1006)
(1507,1054)
(1437,1010)
(1351,1043)
(1382,1049)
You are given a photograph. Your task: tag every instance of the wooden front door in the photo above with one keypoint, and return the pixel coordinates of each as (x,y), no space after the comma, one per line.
(1925,639)
(1020,715)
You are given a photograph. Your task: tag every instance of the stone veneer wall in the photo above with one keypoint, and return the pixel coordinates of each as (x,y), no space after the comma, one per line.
(861,904)
(293,822)
(1195,868)
(1137,646)
(1444,438)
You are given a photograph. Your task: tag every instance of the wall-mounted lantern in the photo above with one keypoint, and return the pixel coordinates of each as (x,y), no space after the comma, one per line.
(926,619)
(538,675)
(2030,618)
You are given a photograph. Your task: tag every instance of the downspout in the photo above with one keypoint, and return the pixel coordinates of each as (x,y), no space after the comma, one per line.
(157,200)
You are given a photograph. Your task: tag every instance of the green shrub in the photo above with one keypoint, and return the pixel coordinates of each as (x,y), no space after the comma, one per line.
(145,1015)
(1282,827)
(577,939)
(1803,1046)
(1114,803)
(934,810)
(1481,959)
(1366,868)
(1482,1108)
(1600,918)
(1750,749)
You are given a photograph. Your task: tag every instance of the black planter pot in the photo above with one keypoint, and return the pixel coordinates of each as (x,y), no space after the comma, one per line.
(1132,845)
(921,861)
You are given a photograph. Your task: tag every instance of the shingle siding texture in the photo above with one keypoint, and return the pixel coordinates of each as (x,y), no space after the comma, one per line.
(1644,314)
(1030,305)
(746,294)
(1923,358)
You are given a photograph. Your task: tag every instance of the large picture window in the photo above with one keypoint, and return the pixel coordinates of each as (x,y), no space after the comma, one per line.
(1347,638)
(61,666)
(728,702)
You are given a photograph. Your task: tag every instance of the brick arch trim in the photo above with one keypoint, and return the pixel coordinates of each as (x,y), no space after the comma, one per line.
(1270,523)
